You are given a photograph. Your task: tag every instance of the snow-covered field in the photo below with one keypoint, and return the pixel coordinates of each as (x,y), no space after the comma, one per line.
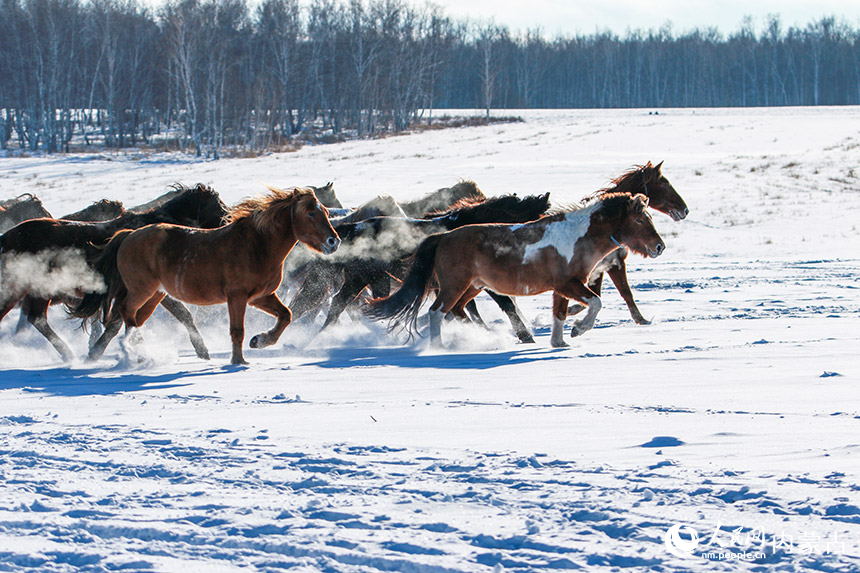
(735,415)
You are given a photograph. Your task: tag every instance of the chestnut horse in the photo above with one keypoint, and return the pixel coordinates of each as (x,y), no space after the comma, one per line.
(240,263)
(557,252)
(649,180)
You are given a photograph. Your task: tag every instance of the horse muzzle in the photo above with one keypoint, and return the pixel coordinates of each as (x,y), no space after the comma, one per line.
(679,214)
(656,250)
(331,244)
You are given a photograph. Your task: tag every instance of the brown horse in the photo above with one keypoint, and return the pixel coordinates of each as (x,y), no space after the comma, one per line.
(240,263)
(557,253)
(649,180)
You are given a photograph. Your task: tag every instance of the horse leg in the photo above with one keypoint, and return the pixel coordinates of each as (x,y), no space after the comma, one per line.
(271,304)
(97,348)
(580,292)
(595,283)
(347,293)
(445,301)
(559,313)
(23,321)
(471,309)
(467,299)
(618,274)
(509,307)
(236,310)
(181,313)
(37,314)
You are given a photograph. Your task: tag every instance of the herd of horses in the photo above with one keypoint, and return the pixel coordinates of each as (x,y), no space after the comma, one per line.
(112,267)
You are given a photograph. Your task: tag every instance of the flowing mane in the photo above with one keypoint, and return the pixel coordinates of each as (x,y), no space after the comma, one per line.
(631,181)
(263,208)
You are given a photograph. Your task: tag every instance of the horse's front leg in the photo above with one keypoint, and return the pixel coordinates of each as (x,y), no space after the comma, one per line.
(618,274)
(580,292)
(271,304)
(236,310)
(183,315)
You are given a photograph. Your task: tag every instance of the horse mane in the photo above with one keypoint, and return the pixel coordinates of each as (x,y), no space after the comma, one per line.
(628,182)
(609,203)
(4,204)
(501,209)
(458,205)
(262,210)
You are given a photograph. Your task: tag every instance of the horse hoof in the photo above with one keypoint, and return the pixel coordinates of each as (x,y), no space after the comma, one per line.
(559,344)
(527,339)
(203,355)
(256,341)
(642,321)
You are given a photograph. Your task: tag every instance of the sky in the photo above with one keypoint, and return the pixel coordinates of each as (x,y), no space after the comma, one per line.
(586,16)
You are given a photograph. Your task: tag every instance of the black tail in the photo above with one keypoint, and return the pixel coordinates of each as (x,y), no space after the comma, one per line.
(105,265)
(402,307)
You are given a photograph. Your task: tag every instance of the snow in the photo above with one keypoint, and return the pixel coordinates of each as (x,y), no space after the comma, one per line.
(735,412)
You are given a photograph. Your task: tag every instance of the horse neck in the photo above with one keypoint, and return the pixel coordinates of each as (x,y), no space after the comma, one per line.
(273,243)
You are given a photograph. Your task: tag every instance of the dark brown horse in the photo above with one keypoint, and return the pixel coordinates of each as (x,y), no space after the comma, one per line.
(649,180)
(240,263)
(38,253)
(102,210)
(557,253)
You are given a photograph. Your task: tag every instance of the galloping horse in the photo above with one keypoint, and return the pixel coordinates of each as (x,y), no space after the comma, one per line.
(240,263)
(557,252)
(375,250)
(45,246)
(649,180)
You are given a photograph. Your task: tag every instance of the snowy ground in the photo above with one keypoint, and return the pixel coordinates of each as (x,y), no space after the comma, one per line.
(735,414)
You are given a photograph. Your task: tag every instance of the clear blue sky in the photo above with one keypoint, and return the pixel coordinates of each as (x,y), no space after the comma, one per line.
(570,16)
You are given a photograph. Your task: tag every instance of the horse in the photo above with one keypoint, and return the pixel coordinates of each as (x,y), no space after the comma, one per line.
(37,253)
(240,263)
(649,180)
(442,198)
(21,208)
(557,252)
(376,249)
(102,210)
(326,196)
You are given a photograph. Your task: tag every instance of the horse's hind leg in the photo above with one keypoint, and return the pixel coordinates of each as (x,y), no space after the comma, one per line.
(471,309)
(271,304)
(509,307)
(595,283)
(618,274)
(559,313)
(183,315)
(97,348)
(23,321)
(37,314)
(347,293)
(577,290)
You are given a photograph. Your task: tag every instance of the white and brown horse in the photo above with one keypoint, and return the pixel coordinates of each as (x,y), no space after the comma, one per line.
(555,253)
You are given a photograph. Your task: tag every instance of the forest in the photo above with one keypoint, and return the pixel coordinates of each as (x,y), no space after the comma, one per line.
(216,76)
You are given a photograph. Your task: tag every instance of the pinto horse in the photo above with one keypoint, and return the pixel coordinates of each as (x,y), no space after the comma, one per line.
(648,180)
(44,247)
(557,252)
(240,263)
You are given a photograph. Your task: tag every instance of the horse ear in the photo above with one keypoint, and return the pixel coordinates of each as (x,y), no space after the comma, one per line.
(329,185)
(640,201)
(658,167)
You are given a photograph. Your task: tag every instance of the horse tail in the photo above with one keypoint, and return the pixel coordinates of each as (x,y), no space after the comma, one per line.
(403,305)
(105,265)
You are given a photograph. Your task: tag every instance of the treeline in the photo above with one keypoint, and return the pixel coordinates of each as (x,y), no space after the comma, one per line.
(206,75)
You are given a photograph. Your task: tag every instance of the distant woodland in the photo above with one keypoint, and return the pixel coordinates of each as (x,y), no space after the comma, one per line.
(207,76)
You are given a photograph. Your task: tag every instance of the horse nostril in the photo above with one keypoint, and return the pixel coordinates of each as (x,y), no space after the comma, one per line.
(660,248)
